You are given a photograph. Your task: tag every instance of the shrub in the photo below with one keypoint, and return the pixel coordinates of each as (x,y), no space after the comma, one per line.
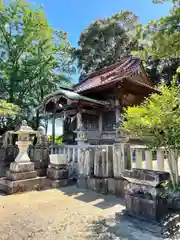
(159,119)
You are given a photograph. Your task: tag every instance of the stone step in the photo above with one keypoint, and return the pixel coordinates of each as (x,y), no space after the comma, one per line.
(62,183)
(10,187)
(57,174)
(146,176)
(20,176)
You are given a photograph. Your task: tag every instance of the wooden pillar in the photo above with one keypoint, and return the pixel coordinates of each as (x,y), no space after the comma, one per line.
(100,124)
(53,128)
(79,124)
(117,104)
(79,119)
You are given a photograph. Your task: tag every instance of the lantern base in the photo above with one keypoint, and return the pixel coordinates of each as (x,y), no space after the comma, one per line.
(33,184)
(17,167)
(22,177)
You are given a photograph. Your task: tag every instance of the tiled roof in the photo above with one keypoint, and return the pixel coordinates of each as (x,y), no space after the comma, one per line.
(125,68)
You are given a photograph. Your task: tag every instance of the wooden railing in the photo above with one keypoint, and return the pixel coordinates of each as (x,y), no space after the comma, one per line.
(142,157)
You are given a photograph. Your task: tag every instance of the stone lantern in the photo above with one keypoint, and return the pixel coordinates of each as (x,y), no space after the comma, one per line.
(23,142)
(81,134)
(21,175)
(121,135)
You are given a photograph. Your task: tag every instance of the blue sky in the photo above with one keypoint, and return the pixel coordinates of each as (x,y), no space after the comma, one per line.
(73,16)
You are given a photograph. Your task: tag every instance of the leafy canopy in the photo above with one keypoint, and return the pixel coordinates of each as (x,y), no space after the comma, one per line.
(159,45)
(158,117)
(34,58)
(160,38)
(8,109)
(105,41)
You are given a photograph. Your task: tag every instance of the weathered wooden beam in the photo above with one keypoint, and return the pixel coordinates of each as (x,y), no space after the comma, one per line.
(69,113)
(91,112)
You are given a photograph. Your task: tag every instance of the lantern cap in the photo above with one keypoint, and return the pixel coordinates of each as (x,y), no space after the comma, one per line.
(24,128)
(81,129)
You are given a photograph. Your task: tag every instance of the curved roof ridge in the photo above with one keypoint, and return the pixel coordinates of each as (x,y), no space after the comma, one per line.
(108,68)
(128,65)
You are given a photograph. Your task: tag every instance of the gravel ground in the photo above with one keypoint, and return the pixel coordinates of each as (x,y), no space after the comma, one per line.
(68,214)
(53,214)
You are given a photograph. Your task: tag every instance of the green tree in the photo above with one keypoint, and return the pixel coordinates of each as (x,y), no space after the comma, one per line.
(105,41)
(7,111)
(160,38)
(159,45)
(33,56)
(162,70)
(158,119)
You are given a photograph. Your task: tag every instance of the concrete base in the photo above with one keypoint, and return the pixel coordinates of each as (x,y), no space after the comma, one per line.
(10,187)
(17,167)
(42,172)
(102,185)
(119,187)
(57,166)
(57,174)
(82,182)
(20,175)
(99,185)
(111,186)
(62,183)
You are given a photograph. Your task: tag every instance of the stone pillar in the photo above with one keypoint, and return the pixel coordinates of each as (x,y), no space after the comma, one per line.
(41,153)
(121,157)
(80,133)
(81,140)
(57,171)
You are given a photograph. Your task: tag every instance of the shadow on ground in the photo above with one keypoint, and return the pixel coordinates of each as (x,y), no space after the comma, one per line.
(98,200)
(124,228)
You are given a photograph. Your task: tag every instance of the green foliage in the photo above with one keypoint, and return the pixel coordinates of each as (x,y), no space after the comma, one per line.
(105,41)
(57,139)
(162,1)
(158,117)
(159,45)
(33,56)
(161,37)
(8,109)
(157,120)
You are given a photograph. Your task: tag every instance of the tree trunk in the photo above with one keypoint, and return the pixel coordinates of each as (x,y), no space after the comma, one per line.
(37,119)
(173,166)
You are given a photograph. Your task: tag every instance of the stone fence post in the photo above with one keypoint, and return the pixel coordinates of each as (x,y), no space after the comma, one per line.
(40,153)
(121,158)
(121,162)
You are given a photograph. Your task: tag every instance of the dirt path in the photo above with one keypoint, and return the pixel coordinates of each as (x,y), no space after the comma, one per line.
(56,215)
